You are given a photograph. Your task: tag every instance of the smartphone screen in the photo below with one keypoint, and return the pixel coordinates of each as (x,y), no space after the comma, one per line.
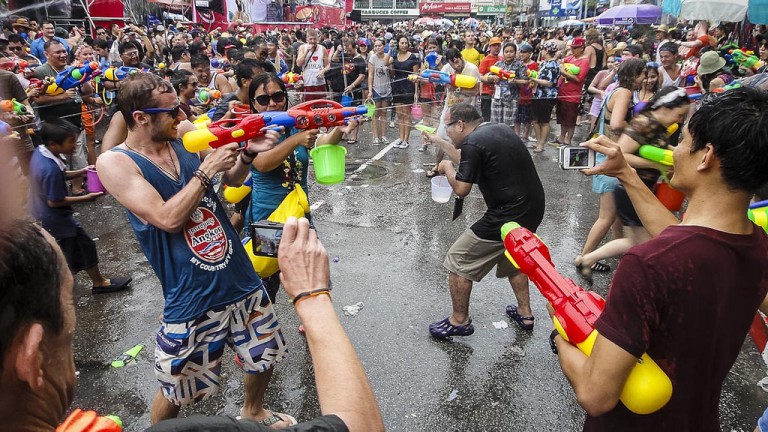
(576,158)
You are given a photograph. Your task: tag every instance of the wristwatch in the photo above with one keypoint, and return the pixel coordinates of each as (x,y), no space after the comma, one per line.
(552,344)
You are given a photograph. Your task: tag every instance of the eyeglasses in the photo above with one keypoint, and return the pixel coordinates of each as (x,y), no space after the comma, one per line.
(194,84)
(277,97)
(131,54)
(447,125)
(173,112)
(100,33)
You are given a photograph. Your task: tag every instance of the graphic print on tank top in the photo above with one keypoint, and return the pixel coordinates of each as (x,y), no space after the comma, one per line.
(205,237)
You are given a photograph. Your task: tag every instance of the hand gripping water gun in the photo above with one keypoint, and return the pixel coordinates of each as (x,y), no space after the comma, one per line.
(14,65)
(13,106)
(456,80)
(647,388)
(89,421)
(308,115)
(502,73)
(116,74)
(235,194)
(205,97)
(290,78)
(571,68)
(72,77)
(217,63)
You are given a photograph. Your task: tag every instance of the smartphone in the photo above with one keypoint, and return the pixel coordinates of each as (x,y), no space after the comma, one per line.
(265,237)
(576,158)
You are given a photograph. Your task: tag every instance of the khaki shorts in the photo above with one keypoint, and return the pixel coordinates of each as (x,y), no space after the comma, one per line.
(472,258)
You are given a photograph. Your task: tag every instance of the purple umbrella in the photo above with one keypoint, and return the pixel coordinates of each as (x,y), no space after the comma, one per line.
(631,14)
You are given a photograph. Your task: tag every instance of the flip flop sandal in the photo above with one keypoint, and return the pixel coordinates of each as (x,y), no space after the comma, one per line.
(535,150)
(600,267)
(443,329)
(516,317)
(274,417)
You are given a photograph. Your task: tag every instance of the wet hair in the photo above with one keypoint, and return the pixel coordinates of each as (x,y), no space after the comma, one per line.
(30,282)
(629,70)
(669,47)
(262,80)
(200,60)
(245,69)
(137,93)
(734,123)
(452,53)
(179,78)
(668,97)
(56,131)
(465,112)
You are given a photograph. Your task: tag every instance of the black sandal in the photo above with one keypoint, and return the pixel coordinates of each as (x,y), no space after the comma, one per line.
(516,317)
(600,267)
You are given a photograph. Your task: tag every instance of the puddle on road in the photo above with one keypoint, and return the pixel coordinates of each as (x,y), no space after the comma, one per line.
(370,172)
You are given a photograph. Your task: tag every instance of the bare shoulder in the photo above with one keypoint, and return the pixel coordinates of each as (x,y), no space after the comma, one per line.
(112,161)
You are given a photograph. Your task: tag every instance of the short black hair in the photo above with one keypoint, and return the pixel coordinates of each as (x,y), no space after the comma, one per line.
(180,77)
(30,282)
(196,48)
(734,123)
(245,69)
(669,47)
(465,112)
(55,131)
(127,45)
(48,44)
(635,50)
(200,60)
(452,53)
(16,38)
(102,44)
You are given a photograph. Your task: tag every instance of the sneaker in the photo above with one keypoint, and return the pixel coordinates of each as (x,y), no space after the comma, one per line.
(403,145)
(532,139)
(423,148)
(396,143)
(391,125)
(384,140)
(376,141)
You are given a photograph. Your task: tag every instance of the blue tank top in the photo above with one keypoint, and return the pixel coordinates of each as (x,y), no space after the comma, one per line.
(204,265)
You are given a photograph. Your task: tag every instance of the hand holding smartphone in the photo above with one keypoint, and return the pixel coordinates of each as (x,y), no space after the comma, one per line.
(576,158)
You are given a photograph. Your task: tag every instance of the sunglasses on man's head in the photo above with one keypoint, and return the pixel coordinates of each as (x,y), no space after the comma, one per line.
(277,97)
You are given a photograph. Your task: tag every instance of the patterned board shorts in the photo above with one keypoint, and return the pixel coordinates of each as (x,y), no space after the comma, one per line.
(188,355)
(504,111)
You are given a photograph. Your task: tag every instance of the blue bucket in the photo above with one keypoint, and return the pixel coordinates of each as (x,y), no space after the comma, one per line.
(346,100)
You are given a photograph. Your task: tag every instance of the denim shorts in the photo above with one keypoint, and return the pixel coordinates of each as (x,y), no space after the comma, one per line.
(377,98)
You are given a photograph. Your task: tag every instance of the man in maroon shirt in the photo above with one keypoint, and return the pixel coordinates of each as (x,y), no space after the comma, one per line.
(686,297)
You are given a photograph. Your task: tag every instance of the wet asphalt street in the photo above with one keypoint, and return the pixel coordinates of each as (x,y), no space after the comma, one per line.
(387,240)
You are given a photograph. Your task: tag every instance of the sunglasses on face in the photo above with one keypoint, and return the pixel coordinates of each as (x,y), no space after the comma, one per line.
(173,112)
(277,97)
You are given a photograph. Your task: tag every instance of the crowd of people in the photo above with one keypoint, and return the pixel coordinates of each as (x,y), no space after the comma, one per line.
(683,292)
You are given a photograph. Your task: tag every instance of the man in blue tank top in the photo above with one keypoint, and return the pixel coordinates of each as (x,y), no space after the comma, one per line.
(212,294)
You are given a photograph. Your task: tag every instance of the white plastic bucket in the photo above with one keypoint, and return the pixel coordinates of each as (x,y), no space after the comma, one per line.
(441,189)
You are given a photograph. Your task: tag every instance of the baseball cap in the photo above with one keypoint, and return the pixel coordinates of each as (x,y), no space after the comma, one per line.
(494,41)
(526,47)
(578,42)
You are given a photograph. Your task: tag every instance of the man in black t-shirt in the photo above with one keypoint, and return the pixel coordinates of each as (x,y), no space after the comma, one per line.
(492,156)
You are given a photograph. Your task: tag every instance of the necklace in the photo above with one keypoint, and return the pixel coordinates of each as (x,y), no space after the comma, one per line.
(174,174)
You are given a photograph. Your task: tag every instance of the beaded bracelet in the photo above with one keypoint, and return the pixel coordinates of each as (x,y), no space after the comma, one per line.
(313,293)
(204,179)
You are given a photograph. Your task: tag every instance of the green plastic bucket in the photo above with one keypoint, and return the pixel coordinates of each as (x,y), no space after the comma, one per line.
(371,109)
(329,160)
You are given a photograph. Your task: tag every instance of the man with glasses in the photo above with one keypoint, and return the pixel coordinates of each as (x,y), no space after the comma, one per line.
(494,157)
(67,105)
(37,48)
(212,294)
(17,47)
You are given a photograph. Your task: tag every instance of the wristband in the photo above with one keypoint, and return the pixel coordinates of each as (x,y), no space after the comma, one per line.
(552,344)
(204,179)
(313,293)
(246,153)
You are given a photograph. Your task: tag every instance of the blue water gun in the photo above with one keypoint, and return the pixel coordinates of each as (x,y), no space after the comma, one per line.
(72,77)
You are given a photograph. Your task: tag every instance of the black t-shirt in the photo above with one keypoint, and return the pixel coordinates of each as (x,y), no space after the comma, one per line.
(495,159)
(687,298)
(68,110)
(201,423)
(223,106)
(353,68)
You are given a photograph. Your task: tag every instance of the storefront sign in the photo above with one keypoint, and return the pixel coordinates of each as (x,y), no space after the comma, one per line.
(442,8)
(491,10)
(389,12)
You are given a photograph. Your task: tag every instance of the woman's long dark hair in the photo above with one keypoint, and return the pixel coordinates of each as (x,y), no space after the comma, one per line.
(629,70)
(262,80)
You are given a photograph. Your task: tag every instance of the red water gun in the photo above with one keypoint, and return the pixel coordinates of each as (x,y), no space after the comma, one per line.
(503,74)
(89,421)
(14,65)
(308,115)
(648,388)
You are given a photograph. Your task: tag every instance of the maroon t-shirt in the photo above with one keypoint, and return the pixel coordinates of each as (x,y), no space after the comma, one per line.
(687,298)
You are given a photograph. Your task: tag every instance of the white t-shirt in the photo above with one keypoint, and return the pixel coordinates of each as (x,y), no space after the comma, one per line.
(314,64)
